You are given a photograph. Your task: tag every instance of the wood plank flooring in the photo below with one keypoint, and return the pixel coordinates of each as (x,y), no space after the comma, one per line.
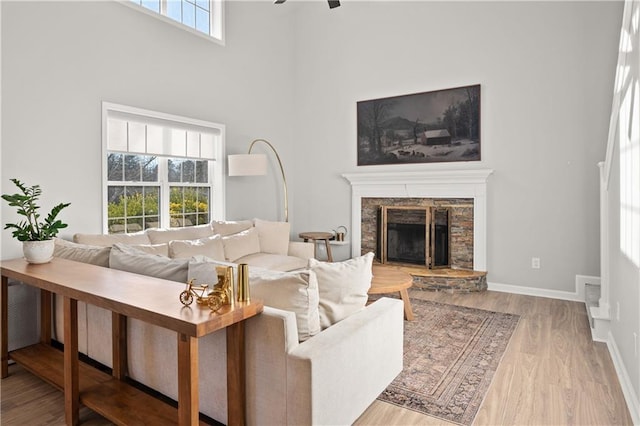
(551,374)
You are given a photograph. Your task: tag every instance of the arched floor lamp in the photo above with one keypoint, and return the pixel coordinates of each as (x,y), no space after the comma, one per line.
(256,165)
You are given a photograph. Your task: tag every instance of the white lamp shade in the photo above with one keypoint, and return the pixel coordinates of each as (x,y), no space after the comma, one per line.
(247,165)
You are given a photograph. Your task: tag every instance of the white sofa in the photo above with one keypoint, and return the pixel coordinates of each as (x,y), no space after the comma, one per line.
(328,379)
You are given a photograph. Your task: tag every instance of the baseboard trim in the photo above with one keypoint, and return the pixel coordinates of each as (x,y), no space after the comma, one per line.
(539,292)
(633,404)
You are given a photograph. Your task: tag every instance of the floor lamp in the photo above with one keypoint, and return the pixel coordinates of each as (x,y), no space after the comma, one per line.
(256,165)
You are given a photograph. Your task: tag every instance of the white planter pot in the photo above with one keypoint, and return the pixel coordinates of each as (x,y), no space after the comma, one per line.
(38,251)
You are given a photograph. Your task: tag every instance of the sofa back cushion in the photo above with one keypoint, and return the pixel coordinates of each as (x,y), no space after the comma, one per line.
(241,244)
(211,247)
(343,287)
(273,236)
(295,291)
(159,236)
(130,259)
(228,227)
(95,255)
(107,240)
(203,270)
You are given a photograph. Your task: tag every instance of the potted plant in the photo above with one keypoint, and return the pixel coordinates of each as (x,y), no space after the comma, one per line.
(36,236)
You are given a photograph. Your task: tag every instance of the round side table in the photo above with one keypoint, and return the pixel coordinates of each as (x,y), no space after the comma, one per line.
(318,236)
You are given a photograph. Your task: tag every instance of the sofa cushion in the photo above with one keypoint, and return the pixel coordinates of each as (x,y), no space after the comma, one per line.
(158,236)
(228,227)
(241,244)
(130,259)
(343,287)
(160,249)
(95,255)
(292,291)
(107,240)
(211,247)
(274,236)
(274,262)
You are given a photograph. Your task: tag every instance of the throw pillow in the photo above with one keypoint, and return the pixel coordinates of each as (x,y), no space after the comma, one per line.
(160,249)
(211,247)
(158,236)
(274,236)
(95,255)
(227,227)
(292,291)
(126,258)
(343,287)
(241,244)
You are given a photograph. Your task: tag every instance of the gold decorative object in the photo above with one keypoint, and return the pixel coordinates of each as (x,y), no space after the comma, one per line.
(243,283)
(222,293)
(194,292)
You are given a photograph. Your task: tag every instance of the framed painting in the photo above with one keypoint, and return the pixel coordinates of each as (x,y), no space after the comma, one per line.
(428,127)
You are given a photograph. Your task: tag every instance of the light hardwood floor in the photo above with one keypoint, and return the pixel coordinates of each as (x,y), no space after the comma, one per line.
(551,374)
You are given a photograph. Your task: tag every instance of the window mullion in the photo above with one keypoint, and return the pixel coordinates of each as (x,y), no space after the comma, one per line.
(163,180)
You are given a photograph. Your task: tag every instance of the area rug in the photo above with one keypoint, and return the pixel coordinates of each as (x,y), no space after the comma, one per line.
(450,356)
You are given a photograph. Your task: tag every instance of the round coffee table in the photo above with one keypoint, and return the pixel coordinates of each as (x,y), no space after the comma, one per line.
(390,279)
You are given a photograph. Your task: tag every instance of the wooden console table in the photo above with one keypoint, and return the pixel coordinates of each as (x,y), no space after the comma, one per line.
(126,295)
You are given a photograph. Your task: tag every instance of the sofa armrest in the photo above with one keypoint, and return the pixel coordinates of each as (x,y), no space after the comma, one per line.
(334,376)
(301,249)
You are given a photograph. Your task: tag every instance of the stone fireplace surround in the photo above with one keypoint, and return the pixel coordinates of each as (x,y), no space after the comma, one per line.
(456,183)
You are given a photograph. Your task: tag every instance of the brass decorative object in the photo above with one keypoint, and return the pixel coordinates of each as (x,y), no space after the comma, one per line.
(243,283)
(222,293)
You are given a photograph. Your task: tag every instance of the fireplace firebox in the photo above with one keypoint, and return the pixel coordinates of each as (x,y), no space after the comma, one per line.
(415,235)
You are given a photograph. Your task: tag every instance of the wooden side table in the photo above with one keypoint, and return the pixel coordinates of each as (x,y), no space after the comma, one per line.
(388,279)
(318,236)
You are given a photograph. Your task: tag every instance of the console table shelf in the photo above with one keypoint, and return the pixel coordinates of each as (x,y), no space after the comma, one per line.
(107,396)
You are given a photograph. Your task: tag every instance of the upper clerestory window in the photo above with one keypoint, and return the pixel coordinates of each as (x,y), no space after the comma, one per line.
(203,17)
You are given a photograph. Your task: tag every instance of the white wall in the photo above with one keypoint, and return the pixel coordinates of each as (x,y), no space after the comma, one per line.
(60,60)
(546,71)
(624,261)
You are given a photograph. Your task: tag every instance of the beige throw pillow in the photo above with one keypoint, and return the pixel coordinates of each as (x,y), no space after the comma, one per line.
(95,255)
(129,259)
(241,244)
(292,291)
(211,247)
(160,249)
(228,227)
(343,287)
(274,236)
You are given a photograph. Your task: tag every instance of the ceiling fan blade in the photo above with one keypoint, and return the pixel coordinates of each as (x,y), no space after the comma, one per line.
(333,3)
(280,1)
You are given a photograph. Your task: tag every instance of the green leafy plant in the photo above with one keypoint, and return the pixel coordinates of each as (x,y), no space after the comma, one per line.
(32,229)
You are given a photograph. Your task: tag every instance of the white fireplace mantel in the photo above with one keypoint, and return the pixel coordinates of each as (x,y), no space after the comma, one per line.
(463,183)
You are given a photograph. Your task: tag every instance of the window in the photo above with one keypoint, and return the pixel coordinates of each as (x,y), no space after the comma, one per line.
(160,170)
(200,16)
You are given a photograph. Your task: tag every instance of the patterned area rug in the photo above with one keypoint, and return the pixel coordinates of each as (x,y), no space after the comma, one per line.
(450,356)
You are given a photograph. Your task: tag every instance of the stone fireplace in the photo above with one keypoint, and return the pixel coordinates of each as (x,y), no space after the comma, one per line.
(429,232)
(461,193)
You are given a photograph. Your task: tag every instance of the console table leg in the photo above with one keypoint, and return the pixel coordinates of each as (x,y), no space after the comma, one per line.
(4,334)
(236,375)
(71,380)
(119,345)
(45,316)
(188,399)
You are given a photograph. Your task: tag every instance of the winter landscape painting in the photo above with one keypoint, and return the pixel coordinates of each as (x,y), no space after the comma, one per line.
(429,127)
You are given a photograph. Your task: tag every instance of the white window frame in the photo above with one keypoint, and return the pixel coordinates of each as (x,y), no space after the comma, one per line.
(216,21)
(217,170)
